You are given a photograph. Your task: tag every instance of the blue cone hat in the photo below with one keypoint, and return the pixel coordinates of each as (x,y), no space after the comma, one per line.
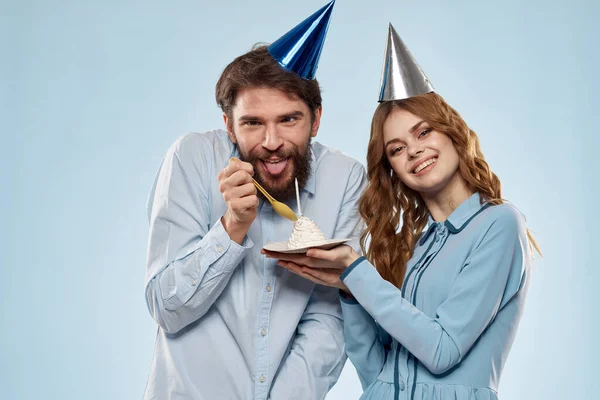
(299,49)
(401,77)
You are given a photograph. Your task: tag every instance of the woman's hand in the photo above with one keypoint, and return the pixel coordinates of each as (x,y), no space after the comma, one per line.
(327,277)
(320,266)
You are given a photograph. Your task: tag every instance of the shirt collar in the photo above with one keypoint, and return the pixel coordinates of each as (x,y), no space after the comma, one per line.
(314,161)
(459,218)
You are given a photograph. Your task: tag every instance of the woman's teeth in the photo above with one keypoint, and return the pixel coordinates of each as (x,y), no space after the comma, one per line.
(424,165)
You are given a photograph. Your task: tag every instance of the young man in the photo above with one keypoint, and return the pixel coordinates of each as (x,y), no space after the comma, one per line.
(232,324)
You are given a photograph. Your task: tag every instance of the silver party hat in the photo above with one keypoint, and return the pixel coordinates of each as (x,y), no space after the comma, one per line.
(402,77)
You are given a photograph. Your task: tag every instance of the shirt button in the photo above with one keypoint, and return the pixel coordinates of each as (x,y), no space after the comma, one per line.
(194,282)
(401,386)
(263,332)
(261,378)
(268,288)
(219,249)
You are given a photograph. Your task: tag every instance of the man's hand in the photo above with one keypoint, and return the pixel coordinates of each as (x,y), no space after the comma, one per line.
(239,193)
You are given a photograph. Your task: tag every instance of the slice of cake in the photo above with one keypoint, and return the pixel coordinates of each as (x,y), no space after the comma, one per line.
(305,233)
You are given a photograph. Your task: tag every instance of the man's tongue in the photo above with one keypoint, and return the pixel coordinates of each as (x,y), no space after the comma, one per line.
(275,168)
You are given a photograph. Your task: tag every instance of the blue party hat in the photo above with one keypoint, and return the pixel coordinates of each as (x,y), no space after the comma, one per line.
(299,49)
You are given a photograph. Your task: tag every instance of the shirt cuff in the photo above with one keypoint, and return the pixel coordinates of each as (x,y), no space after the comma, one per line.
(216,254)
(346,298)
(351,267)
(217,242)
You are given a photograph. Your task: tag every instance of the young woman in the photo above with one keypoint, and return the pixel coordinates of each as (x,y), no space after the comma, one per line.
(433,309)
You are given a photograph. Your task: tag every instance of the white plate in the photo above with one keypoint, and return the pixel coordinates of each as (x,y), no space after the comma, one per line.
(282,247)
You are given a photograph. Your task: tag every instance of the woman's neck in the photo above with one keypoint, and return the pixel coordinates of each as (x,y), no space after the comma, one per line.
(443,202)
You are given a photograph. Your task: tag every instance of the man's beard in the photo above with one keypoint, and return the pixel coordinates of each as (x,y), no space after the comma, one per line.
(277,186)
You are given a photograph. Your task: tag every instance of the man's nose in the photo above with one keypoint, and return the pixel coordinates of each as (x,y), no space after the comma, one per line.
(272,140)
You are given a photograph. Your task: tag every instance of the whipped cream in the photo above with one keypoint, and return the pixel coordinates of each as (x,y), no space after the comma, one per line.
(305,233)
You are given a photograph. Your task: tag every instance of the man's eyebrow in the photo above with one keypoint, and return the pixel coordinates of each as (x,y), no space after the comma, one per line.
(295,114)
(249,118)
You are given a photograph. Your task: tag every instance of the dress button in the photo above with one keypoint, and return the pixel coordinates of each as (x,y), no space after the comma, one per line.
(263,332)
(261,378)
(268,288)
(219,249)
(401,386)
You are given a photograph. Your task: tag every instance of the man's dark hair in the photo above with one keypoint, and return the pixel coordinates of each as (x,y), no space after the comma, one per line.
(258,68)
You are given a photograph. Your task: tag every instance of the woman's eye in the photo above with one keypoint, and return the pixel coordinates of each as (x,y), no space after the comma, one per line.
(424,132)
(396,150)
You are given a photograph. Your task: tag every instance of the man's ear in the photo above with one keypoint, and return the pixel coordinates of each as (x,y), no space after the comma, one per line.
(317,122)
(229,127)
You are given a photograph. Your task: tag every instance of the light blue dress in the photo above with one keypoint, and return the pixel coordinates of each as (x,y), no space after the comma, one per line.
(448,332)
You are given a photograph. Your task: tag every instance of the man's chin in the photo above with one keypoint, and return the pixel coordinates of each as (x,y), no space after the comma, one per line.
(278,186)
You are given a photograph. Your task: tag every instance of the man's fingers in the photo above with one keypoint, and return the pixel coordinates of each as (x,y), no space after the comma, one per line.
(233,167)
(247,189)
(238,165)
(244,203)
(238,178)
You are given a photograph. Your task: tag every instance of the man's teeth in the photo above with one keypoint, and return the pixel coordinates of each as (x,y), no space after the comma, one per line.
(423,165)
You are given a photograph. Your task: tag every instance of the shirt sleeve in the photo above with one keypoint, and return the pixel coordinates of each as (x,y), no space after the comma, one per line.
(493,274)
(189,262)
(366,344)
(317,354)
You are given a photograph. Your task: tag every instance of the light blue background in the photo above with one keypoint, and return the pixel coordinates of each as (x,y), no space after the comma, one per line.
(92,93)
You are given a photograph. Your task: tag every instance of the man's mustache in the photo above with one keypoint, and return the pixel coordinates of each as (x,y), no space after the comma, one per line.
(269,154)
